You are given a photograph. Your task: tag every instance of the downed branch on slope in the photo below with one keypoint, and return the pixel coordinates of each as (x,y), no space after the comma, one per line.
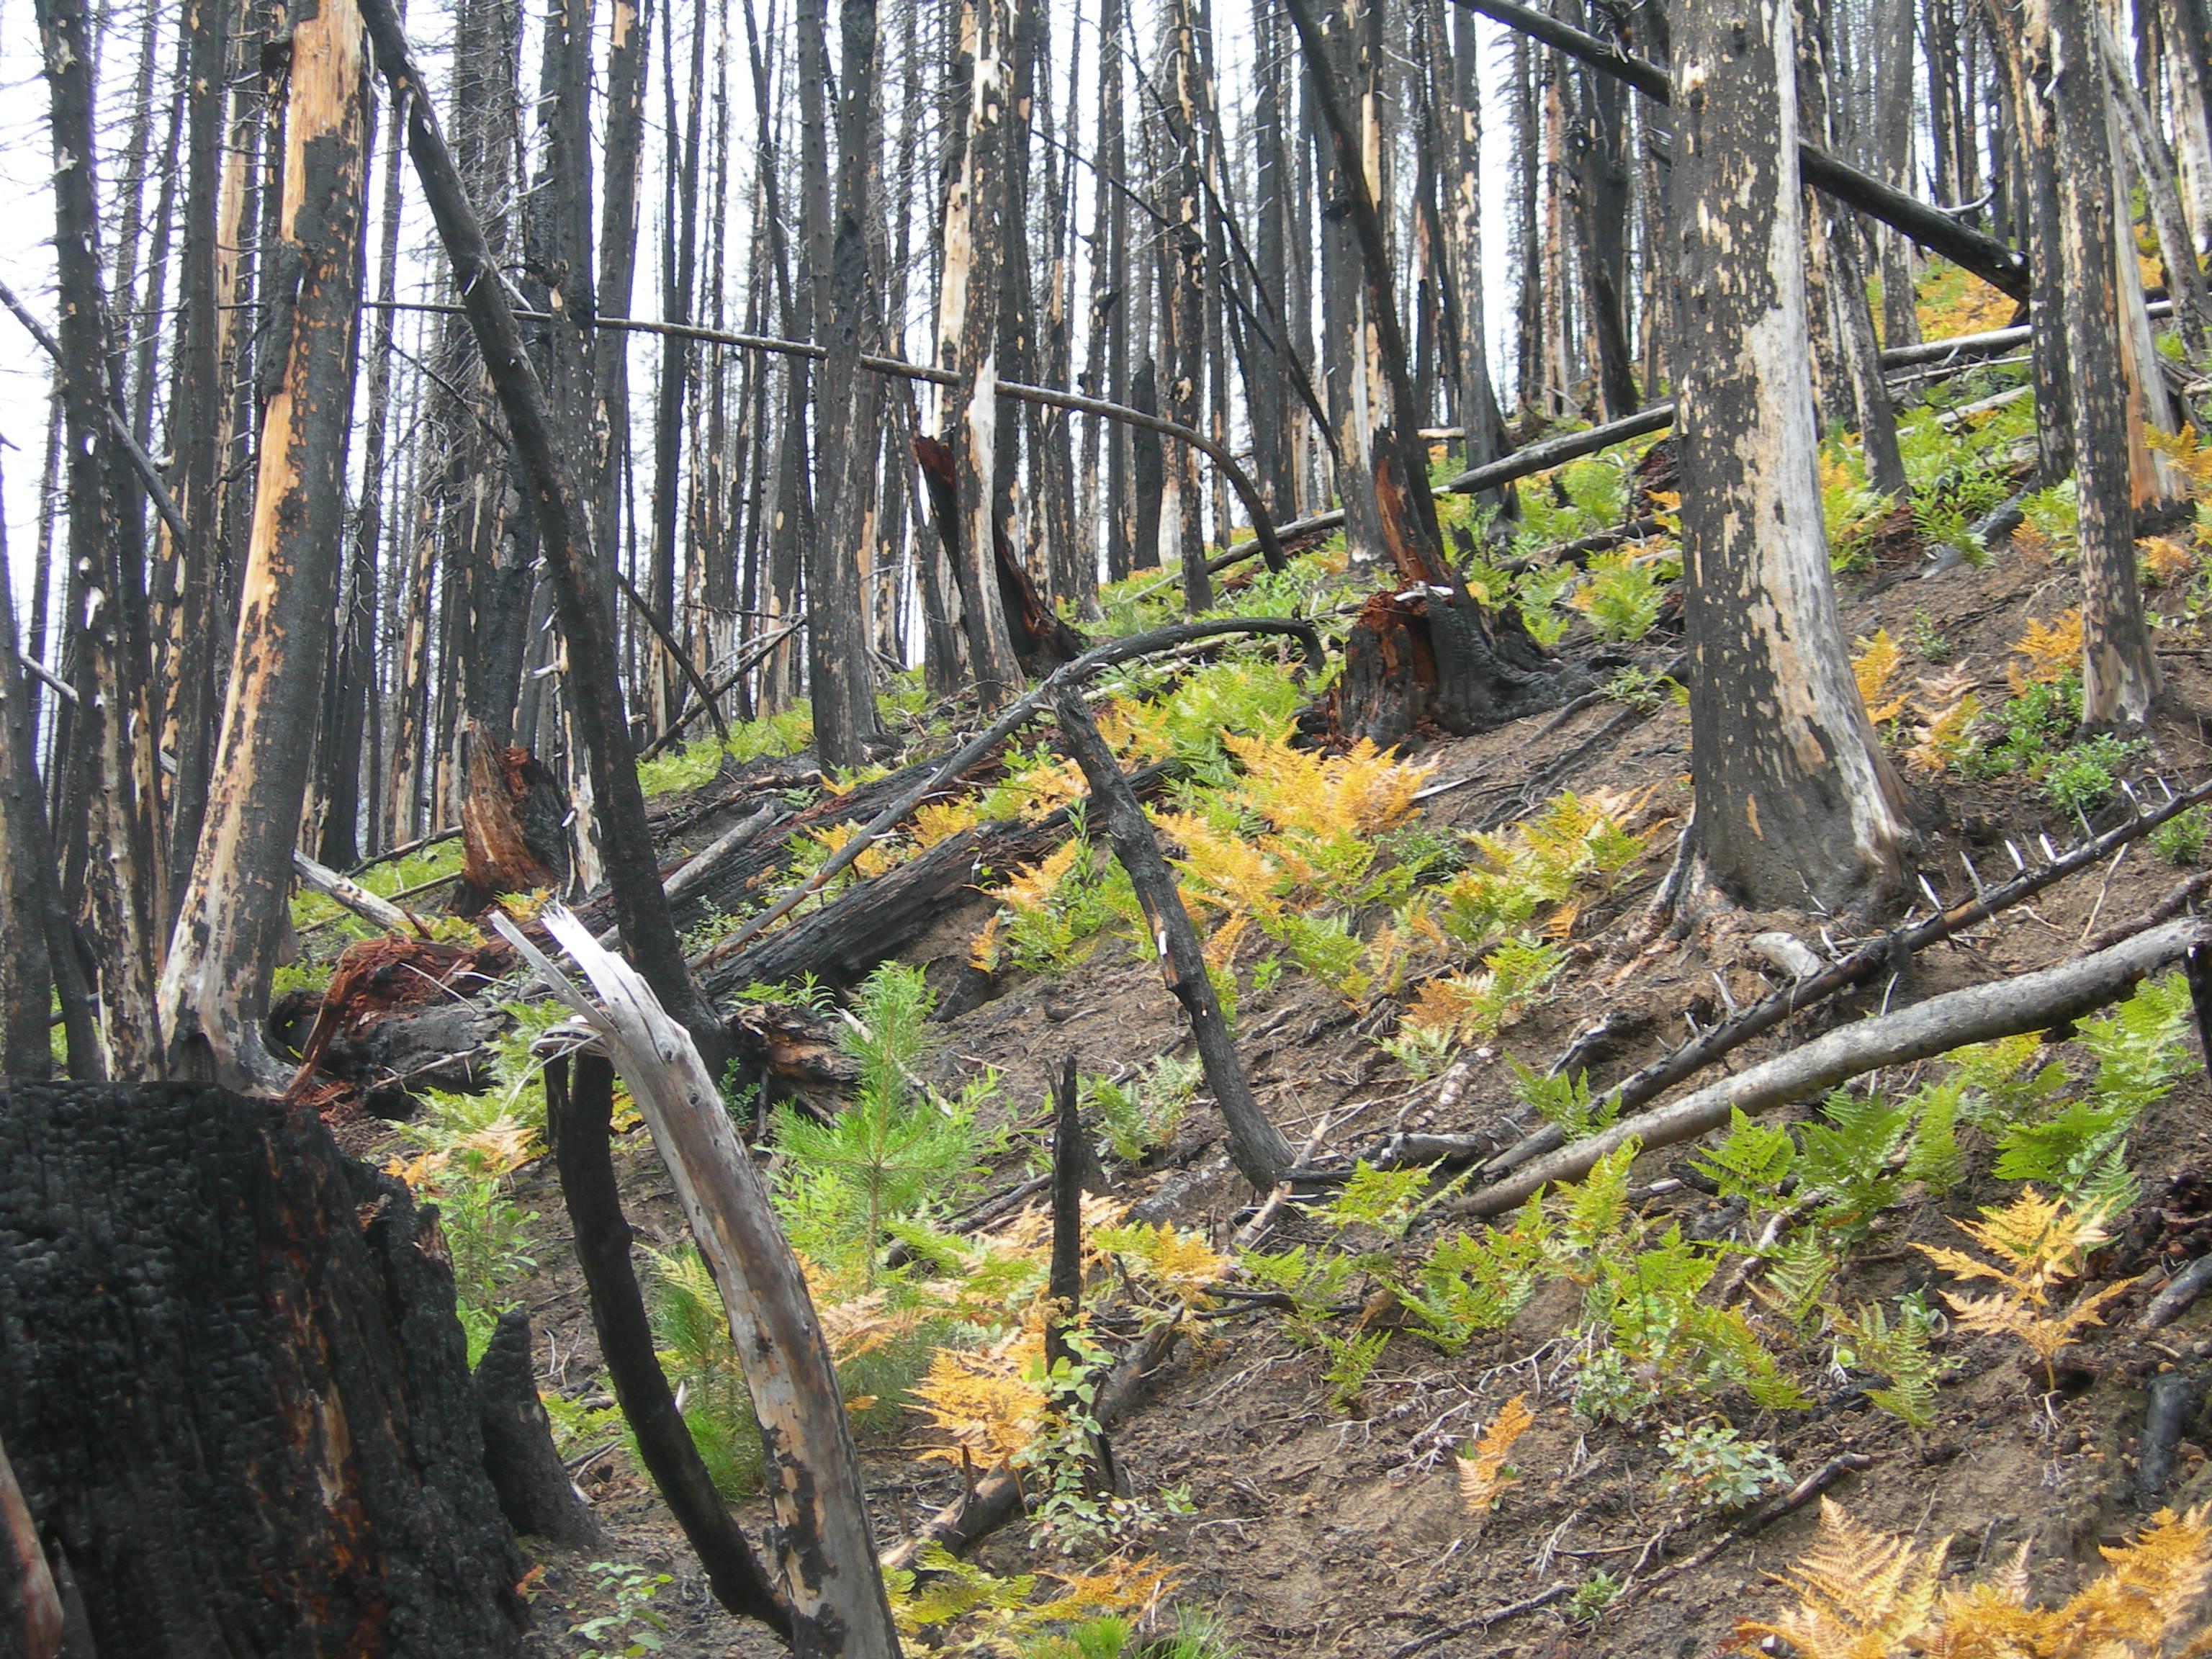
(1016,714)
(827,1552)
(375,911)
(1256,1146)
(1979,1014)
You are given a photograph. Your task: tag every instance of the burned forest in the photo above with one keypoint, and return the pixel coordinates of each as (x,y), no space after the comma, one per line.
(1129,829)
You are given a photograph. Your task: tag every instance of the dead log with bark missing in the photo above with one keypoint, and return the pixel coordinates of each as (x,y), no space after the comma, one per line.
(1979,1014)
(232,1388)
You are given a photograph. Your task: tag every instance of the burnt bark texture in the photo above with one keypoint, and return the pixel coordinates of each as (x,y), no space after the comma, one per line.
(1256,1146)
(27,864)
(534,1491)
(1793,797)
(214,986)
(233,1386)
(579,1104)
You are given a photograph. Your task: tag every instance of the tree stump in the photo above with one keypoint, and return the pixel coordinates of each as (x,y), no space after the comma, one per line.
(233,1387)
(534,1490)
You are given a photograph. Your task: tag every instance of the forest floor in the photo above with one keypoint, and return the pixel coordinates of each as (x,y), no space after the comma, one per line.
(1301,1468)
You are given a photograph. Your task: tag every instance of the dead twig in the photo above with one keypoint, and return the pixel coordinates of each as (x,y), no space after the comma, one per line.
(1543,1598)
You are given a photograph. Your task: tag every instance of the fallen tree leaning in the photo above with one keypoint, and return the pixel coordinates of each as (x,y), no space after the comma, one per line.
(1979,1014)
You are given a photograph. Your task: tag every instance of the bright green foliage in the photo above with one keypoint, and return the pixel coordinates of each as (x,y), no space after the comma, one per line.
(1622,593)
(1564,1100)
(2036,723)
(1315,1280)
(1592,1597)
(1422,1050)
(1898,1353)
(893,1154)
(1386,1199)
(2181,839)
(1752,1162)
(1933,1156)
(1799,1271)
(1145,1112)
(2084,776)
(1474,1282)
(1712,1466)
(1350,1360)
(631,1627)
(785,733)
(693,1336)
(1843,1157)
(1572,844)
(1608,1389)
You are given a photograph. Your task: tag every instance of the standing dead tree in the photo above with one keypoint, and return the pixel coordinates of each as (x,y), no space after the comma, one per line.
(214,986)
(826,1550)
(581,599)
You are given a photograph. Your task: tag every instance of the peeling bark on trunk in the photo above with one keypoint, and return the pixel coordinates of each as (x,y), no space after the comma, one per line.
(233,1387)
(1793,797)
(825,1549)
(968,331)
(214,986)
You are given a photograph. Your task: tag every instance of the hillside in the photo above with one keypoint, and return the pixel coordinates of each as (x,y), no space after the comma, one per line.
(1414,945)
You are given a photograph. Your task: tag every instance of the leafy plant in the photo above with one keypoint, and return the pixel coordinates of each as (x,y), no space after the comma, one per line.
(631,1622)
(1843,1157)
(1386,1199)
(1514,974)
(1145,1112)
(1752,1162)
(1712,1466)
(1483,1474)
(892,1153)
(2037,1243)
(1897,1353)
(1477,1282)
(1350,1360)
(1622,593)
(2181,839)
(1860,1593)
(1593,1596)
(2084,776)
(1422,1050)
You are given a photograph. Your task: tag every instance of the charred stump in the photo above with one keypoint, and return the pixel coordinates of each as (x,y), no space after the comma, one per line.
(233,1387)
(534,1490)
(1417,657)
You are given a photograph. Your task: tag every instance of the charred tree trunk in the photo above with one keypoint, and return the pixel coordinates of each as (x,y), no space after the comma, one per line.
(26,865)
(1793,794)
(109,800)
(233,1388)
(583,605)
(214,986)
(848,294)
(968,334)
(2119,674)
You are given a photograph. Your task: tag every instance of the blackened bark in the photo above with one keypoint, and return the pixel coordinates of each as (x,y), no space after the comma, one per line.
(577,1120)
(535,1493)
(1256,1146)
(233,1388)
(1148,471)
(1793,797)
(26,867)
(214,986)
(847,297)
(580,596)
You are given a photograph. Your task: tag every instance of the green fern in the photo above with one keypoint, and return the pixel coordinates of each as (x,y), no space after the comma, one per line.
(1843,1157)
(1564,1100)
(1799,1271)
(1933,1156)
(1898,1353)
(1752,1162)
(2138,1046)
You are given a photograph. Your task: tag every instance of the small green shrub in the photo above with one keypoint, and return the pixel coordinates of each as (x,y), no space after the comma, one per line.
(1711,1465)
(1622,594)
(2181,839)
(631,1627)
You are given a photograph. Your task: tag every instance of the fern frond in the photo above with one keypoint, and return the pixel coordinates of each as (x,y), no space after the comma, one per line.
(1484,1476)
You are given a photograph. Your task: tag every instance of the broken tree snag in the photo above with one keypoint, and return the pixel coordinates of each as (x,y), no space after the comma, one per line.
(1980,1013)
(1256,1146)
(1064,1288)
(400,1013)
(577,1124)
(1042,641)
(214,986)
(512,840)
(826,1550)
(233,1386)
(535,1493)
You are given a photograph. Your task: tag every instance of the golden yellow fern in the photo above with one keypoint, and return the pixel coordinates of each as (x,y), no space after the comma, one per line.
(2053,652)
(2038,1243)
(1484,1477)
(1862,1594)
(1874,667)
(983,1401)
(935,821)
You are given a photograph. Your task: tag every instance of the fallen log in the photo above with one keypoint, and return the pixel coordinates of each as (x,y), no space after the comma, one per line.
(375,911)
(1980,1013)
(233,1386)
